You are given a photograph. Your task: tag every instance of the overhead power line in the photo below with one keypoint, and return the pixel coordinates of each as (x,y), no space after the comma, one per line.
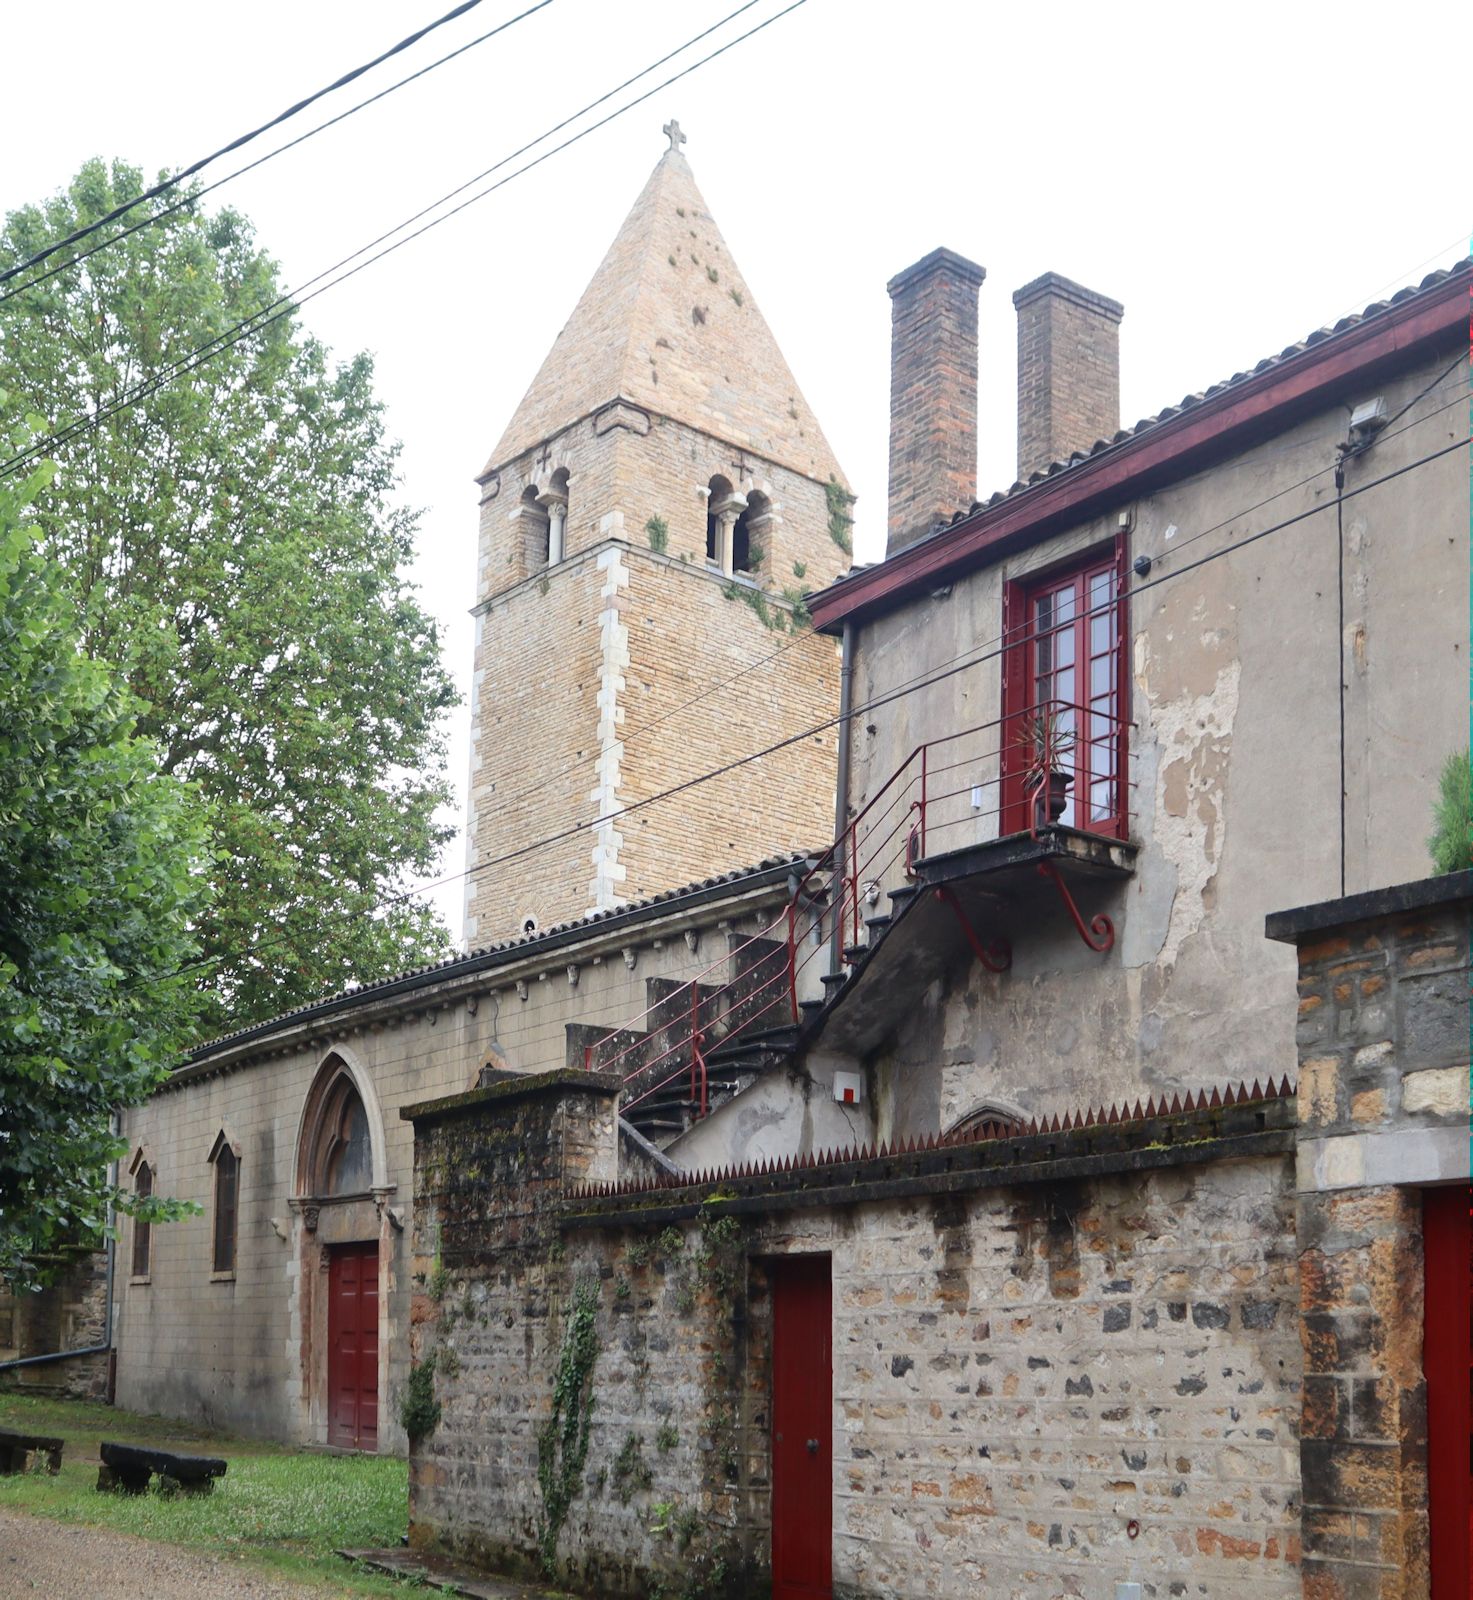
(235,144)
(996,647)
(195,196)
(285,305)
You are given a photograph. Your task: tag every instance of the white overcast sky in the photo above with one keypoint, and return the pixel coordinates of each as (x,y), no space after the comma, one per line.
(1235,175)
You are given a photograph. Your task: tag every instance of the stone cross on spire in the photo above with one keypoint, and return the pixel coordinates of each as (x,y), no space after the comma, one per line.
(671,130)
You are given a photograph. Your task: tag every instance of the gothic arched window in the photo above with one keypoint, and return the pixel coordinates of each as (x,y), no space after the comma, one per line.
(337,1149)
(227,1204)
(142,1228)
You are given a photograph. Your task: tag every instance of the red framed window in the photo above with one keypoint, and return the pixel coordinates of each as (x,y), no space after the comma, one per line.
(1064,694)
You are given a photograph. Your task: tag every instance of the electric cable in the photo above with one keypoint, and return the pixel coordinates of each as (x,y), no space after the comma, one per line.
(293,301)
(992,652)
(235,144)
(197,195)
(1003,638)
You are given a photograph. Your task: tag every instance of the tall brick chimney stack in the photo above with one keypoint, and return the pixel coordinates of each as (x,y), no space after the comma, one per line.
(933,393)
(1068,370)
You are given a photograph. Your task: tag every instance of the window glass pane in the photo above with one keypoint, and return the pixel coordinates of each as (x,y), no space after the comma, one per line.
(1045,653)
(1064,605)
(142,1231)
(350,1163)
(1043,612)
(1064,690)
(1065,649)
(1099,589)
(226,1185)
(1099,633)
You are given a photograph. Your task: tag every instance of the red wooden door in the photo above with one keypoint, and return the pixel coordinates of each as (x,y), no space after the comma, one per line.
(1447,1364)
(802,1430)
(352,1347)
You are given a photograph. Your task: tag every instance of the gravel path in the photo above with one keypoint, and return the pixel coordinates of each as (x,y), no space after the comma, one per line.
(67,1561)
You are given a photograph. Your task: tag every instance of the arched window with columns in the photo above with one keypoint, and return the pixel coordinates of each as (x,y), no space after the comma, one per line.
(537,525)
(723,508)
(554,501)
(751,533)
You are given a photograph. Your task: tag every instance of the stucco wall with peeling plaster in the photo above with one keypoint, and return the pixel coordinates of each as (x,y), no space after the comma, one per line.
(1235,759)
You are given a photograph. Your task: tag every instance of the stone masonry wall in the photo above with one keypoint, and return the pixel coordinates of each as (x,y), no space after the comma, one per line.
(1383,1108)
(1039,1389)
(618,675)
(69,1314)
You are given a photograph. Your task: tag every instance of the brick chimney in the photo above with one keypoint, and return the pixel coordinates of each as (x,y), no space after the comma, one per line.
(1068,370)
(933,393)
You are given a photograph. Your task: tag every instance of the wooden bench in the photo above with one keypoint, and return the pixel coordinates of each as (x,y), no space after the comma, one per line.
(129,1466)
(16,1450)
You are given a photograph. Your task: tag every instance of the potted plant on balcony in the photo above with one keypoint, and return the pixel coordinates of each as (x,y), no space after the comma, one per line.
(1048,775)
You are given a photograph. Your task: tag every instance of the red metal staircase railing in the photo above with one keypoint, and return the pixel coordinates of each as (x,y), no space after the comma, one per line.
(963,788)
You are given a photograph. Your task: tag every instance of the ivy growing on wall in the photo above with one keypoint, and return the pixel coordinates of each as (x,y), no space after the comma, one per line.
(841,522)
(419,1410)
(562,1443)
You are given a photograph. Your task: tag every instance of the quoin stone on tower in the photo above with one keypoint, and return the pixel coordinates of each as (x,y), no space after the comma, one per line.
(650,518)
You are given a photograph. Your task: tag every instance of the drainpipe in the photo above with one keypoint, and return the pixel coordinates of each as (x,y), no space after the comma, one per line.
(841,797)
(107,1301)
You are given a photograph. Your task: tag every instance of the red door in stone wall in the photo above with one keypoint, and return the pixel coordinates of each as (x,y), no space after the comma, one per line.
(352,1347)
(802,1429)
(1447,1364)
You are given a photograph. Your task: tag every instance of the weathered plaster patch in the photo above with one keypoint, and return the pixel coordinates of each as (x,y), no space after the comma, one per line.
(1192,730)
(608,872)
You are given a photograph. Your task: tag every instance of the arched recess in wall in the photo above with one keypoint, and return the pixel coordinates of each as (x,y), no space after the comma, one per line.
(340,1138)
(996,1112)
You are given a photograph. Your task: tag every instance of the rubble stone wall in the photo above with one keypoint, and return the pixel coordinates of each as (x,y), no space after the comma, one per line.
(1039,1388)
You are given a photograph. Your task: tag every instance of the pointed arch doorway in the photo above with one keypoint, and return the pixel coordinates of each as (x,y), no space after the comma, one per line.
(340,1191)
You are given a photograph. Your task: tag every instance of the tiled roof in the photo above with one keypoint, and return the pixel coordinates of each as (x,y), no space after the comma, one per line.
(1190,401)
(506,950)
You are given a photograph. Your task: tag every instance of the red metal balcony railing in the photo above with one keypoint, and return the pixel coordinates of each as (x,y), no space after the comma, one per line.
(1053,763)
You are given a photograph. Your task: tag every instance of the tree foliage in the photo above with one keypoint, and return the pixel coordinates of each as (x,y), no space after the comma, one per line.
(233,542)
(1451,844)
(97,848)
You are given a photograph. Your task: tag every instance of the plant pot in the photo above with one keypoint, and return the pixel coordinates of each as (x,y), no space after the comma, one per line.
(1050,798)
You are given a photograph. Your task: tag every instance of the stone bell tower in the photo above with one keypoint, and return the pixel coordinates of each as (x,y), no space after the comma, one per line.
(649,521)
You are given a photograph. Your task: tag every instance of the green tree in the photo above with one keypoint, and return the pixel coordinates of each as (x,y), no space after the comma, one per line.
(97,851)
(1451,844)
(234,545)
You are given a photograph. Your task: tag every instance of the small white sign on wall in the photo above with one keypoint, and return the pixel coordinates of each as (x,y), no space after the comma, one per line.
(848,1088)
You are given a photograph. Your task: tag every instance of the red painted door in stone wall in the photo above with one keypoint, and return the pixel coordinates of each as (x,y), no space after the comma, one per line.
(1447,1364)
(352,1347)
(802,1429)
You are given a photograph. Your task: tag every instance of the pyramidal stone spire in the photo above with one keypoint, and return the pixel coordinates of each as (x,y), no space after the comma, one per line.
(669,323)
